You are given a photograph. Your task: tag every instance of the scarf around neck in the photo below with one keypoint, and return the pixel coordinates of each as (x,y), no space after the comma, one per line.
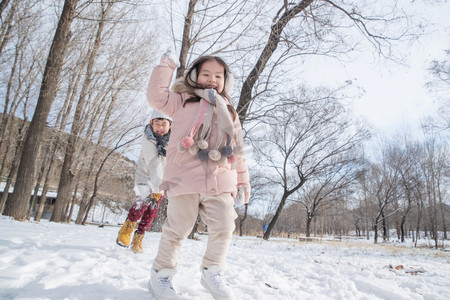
(196,141)
(161,141)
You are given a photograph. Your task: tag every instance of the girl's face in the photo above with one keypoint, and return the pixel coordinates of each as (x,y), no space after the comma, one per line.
(212,75)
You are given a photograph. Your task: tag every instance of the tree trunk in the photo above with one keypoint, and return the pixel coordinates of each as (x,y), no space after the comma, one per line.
(40,208)
(13,170)
(39,181)
(7,127)
(419,218)
(66,212)
(241,223)
(83,203)
(375,234)
(72,203)
(17,206)
(65,186)
(45,188)
(402,229)
(6,141)
(34,197)
(271,45)
(186,42)
(308,226)
(3,5)
(366,221)
(442,209)
(96,155)
(385,230)
(82,211)
(6,25)
(272,222)
(84,199)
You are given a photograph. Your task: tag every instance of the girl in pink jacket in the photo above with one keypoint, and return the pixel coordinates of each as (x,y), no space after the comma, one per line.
(205,168)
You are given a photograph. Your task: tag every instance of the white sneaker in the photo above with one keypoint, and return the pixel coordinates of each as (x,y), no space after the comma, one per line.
(214,281)
(160,284)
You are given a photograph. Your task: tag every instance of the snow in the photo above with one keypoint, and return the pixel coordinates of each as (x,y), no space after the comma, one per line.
(50,260)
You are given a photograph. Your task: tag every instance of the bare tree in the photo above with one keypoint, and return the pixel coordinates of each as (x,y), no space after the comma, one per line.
(18,204)
(209,27)
(13,169)
(405,164)
(440,69)
(328,187)
(404,184)
(314,28)
(307,136)
(67,173)
(406,157)
(435,171)
(20,61)
(288,12)
(118,60)
(55,144)
(419,203)
(96,181)
(6,23)
(382,187)
(3,5)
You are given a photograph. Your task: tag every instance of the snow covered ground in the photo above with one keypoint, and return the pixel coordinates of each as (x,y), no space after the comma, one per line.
(65,261)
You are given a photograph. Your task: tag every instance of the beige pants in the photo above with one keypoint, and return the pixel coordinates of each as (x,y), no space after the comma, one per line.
(217,213)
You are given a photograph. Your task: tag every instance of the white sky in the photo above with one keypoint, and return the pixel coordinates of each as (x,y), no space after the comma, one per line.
(395,97)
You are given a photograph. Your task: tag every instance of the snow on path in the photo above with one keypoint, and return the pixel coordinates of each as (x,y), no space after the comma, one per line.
(65,261)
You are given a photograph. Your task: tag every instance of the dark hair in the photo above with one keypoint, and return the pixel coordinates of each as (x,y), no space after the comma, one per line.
(192,82)
(162,119)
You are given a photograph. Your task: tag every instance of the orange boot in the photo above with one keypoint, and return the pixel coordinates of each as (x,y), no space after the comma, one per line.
(136,244)
(125,233)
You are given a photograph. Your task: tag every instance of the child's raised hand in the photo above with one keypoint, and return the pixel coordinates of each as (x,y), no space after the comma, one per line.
(169,59)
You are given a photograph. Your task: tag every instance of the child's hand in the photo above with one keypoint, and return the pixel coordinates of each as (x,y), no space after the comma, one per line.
(169,59)
(240,197)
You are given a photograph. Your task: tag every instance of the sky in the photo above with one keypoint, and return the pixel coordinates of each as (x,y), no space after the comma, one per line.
(395,96)
(49,260)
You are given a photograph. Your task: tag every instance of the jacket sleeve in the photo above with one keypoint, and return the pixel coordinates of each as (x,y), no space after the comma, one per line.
(243,178)
(149,168)
(158,94)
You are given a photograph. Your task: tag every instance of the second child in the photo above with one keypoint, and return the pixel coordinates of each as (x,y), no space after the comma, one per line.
(148,177)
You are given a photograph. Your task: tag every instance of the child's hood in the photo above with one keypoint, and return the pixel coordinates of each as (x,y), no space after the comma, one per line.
(179,87)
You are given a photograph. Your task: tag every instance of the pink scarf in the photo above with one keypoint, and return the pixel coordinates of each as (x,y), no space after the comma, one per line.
(196,140)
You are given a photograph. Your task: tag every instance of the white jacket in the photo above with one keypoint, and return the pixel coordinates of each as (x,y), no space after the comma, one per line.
(150,168)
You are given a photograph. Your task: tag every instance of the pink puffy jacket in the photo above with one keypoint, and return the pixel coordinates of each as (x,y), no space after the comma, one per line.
(185,173)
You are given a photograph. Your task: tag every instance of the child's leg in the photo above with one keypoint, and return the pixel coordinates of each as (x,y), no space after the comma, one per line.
(218,214)
(138,208)
(181,215)
(135,213)
(149,214)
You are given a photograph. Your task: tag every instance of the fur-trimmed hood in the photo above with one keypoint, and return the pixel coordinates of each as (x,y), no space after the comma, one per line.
(180,86)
